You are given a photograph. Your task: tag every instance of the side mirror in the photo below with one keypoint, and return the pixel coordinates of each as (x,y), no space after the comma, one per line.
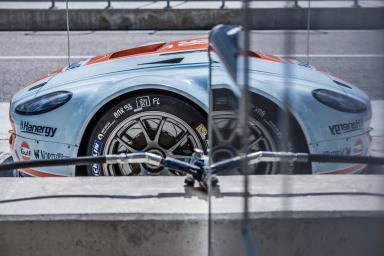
(224,41)
(225,94)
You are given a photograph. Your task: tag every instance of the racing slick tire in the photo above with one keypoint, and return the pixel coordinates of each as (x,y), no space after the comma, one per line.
(159,123)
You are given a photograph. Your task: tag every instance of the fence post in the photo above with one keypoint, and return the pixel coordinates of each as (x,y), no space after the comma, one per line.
(109,4)
(168,4)
(53,5)
(356,3)
(222,4)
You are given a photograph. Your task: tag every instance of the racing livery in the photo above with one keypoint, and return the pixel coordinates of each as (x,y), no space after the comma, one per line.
(154,98)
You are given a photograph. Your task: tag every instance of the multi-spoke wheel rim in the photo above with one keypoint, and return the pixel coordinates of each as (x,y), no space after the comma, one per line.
(227,140)
(152,131)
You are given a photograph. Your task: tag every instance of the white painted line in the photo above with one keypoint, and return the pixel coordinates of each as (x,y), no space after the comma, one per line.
(377,122)
(48,57)
(5,125)
(332,55)
(40,57)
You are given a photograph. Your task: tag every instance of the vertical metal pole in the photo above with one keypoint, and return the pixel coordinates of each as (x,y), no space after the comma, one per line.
(284,124)
(53,5)
(244,112)
(222,4)
(356,3)
(168,4)
(210,131)
(296,4)
(109,4)
(308,28)
(68,42)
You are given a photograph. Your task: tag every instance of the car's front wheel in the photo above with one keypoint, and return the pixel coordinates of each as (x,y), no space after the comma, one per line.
(150,122)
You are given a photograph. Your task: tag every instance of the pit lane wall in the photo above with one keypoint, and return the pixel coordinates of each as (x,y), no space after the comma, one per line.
(313,215)
(158,19)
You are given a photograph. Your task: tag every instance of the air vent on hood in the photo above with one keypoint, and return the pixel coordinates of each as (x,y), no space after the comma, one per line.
(341,84)
(137,50)
(168,61)
(37,86)
(126,53)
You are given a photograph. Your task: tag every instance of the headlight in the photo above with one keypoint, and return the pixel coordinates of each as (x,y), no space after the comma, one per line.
(339,101)
(44,103)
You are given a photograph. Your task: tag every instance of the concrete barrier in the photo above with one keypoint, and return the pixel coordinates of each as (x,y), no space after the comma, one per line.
(157,19)
(318,215)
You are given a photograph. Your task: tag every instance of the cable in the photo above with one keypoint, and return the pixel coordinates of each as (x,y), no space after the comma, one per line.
(308,28)
(68,42)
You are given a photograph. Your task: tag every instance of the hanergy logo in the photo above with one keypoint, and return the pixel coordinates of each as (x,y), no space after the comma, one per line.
(41,130)
(346,127)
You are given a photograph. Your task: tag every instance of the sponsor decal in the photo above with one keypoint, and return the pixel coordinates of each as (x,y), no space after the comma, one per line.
(105,129)
(96,169)
(40,130)
(358,148)
(156,101)
(44,155)
(192,42)
(302,64)
(143,102)
(342,128)
(25,151)
(120,111)
(96,149)
(339,152)
(259,111)
(202,131)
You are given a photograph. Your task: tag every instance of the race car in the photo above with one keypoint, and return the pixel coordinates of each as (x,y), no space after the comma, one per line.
(154,98)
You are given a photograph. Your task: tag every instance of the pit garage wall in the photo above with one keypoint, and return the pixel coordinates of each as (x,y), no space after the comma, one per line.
(142,19)
(325,215)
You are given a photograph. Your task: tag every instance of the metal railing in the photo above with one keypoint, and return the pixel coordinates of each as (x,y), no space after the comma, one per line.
(295,3)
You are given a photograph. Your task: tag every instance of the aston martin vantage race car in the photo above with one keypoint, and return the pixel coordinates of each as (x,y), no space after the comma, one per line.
(154,98)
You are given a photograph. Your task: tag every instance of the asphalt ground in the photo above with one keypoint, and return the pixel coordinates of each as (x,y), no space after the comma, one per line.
(356,56)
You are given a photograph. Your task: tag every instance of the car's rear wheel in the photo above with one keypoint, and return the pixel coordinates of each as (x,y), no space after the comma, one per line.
(270,129)
(277,130)
(156,123)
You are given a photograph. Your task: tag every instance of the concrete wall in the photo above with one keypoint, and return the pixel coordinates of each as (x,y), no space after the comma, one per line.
(288,237)
(124,19)
(318,215)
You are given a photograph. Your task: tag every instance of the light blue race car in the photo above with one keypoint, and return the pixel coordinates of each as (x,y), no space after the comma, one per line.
(154,98)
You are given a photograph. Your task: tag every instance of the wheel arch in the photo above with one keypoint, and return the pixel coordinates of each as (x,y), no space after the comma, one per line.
(80,170)
(296,125)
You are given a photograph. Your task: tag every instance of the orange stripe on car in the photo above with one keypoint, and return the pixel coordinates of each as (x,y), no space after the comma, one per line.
(352,169)
(264,56)
(158,48)
(50,74)
(126,53)
(38,173)
(174,46)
